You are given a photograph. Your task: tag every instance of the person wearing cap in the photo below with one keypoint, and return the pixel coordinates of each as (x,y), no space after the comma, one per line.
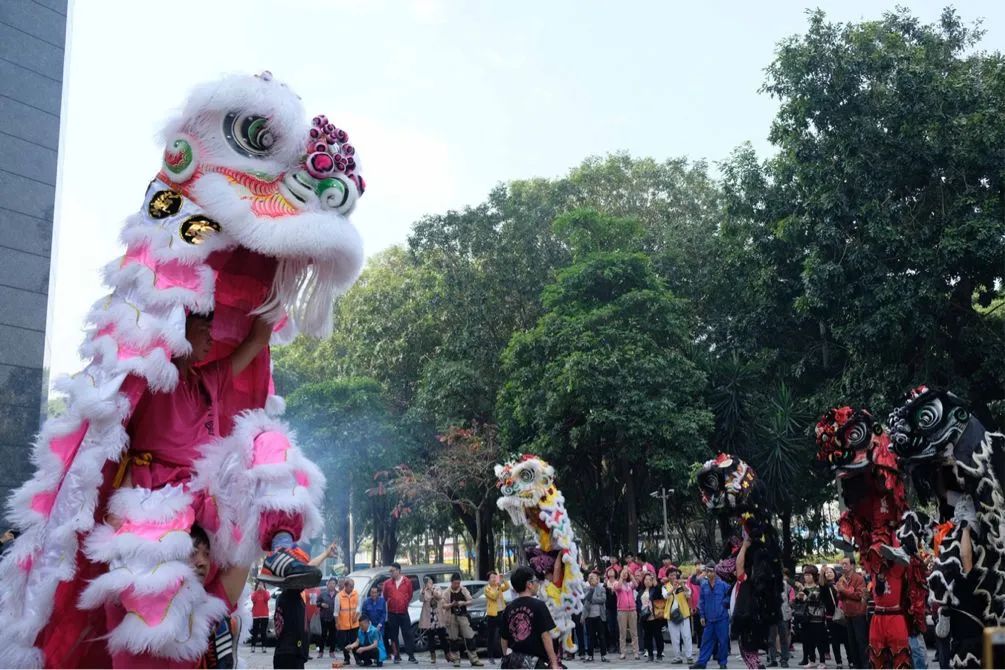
(678,616)
(713,608)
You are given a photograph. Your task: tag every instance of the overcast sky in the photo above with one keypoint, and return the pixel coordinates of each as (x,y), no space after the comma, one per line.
(443,99)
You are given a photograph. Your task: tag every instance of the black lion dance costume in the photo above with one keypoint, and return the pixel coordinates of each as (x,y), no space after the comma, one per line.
(953,457)
(857,450)
(730,488)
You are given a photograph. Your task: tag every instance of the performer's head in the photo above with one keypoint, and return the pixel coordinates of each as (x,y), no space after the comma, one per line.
(494,578)
(198,332)
(200,553)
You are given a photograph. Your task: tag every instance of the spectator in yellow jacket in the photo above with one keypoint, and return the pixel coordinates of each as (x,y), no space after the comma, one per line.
(678,615)
(495,603)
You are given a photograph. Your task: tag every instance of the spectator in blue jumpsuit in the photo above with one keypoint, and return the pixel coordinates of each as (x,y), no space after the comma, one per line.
(713,608)
(375,607)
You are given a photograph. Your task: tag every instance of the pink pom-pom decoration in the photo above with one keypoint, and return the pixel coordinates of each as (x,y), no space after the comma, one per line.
(329,151)
(320,164)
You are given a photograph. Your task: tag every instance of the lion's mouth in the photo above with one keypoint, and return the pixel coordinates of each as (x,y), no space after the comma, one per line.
(263,192)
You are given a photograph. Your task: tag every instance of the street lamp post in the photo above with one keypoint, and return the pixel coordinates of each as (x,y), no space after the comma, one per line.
(663,494)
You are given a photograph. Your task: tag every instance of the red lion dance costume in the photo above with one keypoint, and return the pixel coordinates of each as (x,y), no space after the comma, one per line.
(247,221)
(855,446)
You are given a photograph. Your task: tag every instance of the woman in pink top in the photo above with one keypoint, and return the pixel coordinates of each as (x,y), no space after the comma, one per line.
(624,589)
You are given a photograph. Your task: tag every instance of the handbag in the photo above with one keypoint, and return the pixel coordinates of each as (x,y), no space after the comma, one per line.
(676,616)
(516,660)
(838,617)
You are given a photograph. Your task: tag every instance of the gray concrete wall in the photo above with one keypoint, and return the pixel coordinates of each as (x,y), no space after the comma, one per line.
(32,38)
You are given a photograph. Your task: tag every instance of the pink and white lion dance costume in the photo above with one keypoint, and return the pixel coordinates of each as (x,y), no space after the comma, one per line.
(248,216)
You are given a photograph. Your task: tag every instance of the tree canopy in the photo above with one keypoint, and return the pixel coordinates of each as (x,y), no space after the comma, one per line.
(635,316)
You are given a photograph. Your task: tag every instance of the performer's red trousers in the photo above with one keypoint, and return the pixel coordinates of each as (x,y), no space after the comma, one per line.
(888,647)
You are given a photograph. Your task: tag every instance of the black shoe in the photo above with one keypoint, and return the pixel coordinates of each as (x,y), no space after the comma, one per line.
(413,659)
(285,569)
(696,666)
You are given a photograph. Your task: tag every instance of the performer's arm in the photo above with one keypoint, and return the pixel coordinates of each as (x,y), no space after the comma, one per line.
(320,558)
(246,351)
(233,581)
(557,573)
(966,550)
(741,559)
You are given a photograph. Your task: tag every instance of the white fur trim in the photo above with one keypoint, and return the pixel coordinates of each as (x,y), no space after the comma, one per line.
(20,655)
(137,504)
(104,546)
(107,587)
(275,406)
(183,634)
(243,491)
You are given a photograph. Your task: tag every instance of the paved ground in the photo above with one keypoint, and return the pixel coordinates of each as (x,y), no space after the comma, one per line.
(264,660)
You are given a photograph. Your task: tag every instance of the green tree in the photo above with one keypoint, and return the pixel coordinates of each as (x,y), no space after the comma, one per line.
(388,326)
(459,474)
(890,137)
(601,386)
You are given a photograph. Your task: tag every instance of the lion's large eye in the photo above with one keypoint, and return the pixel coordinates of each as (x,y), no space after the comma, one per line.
(857,435)
(929,415)
(527,475)
(248,134)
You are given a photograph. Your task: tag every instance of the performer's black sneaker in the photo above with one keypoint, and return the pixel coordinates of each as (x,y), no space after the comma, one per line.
(895,554)
(843,544)
(288,569)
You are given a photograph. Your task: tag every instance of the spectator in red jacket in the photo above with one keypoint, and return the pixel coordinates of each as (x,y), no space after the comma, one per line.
(398,594)
(259,615)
